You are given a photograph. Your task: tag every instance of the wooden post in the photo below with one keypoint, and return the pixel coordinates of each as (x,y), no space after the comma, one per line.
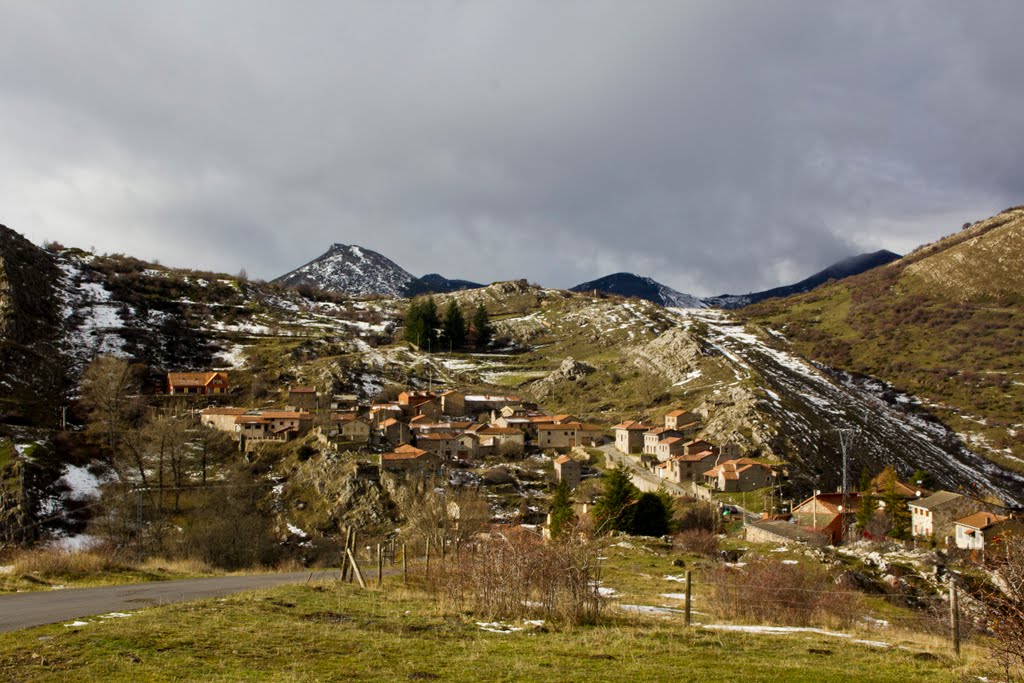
(355,569)
(380,565)
(392,554)
(405,566)
(689,583)
(344,559)
(954,615)
(428,557)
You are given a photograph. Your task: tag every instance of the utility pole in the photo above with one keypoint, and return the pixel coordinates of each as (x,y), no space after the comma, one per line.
(846,439)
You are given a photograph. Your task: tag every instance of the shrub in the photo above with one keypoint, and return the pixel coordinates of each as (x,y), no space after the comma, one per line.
(696,541)
(521,576)
(767,591)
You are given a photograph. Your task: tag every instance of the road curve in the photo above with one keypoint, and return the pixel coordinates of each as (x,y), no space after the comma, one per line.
(22,610)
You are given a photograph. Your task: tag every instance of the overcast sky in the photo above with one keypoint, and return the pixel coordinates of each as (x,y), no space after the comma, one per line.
(715,146)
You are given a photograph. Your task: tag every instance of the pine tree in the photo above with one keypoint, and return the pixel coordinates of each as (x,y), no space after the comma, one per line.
(615,508)
(453,328)
(421,323)
(414,323)
(561,509)
(899,514)
(866,511)
(650,517)
(864,484)
(431,321)
(482,325)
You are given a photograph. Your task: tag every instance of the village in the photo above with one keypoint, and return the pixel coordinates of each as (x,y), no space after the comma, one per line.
(423,433)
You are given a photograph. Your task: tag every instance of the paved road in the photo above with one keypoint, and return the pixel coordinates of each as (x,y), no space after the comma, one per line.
(22,610)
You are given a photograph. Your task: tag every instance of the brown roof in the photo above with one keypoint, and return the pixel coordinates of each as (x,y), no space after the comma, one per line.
(677,413)
(225,411)
(671,440)
(731,469)
(193,379)
(632,425)
(694,457)
(389,422)
(404,452)
(981,520)
(302,390)
(344,417)
(936,500)
(286,415)
(437,436)
(563,459)
(490,431)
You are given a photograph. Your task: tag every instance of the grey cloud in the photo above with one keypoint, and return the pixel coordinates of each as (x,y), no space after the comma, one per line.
(713,146)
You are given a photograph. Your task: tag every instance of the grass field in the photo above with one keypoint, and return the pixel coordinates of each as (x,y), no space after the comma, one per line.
(333,631)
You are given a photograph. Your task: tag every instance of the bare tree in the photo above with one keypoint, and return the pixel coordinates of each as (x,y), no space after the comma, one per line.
(1006,603)
(110,388)
(159,452)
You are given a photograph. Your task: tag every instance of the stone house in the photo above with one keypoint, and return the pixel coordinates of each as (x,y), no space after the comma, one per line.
(568,470)
(502,440)
(221,419)
(684,469)
(699,446)
(629,436)
(406,458)
(655,436)
(303,398)
(980,530)
(669,447)
(197,383)
(823,513)
(349,427)
(442,444)
(272,425)
(678,419)
(569,435)
(394,432)
(933,517)
(453,403)
(738,475)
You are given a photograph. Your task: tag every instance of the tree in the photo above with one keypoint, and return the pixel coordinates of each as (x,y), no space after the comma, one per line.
(453,327)
(1005,602)
(614,509)
(922,478)
(866,512)
(482,324)
(561,508)
(650,517)
(864,483)
(109,387)
(421,323)
(898,512)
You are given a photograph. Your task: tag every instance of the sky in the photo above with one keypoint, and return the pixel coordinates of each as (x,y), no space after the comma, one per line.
(714,146)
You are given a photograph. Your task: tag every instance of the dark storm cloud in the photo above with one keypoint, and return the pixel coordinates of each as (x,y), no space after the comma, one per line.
(714,146)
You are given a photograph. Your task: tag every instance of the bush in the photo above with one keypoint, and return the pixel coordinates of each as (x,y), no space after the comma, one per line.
(696,541)
(769,592)
(521,576)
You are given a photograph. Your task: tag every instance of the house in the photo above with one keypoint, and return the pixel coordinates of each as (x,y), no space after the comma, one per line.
(568,470)
(502,440)
(453,403)
(406,458)
(933,517)
(349,427)
(981,529)
(629,436)
(201,383)
(738,475)
(222,419)
(477,404)
(468,446)
(823,513)
(344,401)
(669,448)
(683,469)
(303,398)
(677,419)
(272,425)
(381,412)
(698,446)
(415,403)
(569,435)
(394,432)
(442,444)
(655,435)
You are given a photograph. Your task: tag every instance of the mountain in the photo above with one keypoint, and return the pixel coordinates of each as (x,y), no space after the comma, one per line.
(630,285)
(433,283)
(350,269)
(944,323)
(837,271)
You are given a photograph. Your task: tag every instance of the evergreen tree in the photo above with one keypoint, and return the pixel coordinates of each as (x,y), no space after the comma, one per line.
(922,476)
(421,323)
(561,509)
(414,323)
(899,514)
(431,321)
(453,328)
(650,517)
(615,508)
(864,484)
(482,325)
(866,511)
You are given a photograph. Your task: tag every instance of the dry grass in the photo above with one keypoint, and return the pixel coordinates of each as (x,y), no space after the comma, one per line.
(57,563)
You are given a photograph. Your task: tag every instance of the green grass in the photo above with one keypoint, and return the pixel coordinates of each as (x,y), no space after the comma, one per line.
(757,500)
(331,631)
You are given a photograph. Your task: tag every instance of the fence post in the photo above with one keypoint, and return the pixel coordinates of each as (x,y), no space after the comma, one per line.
(954,615)
(689,583)
(428,556)
(355,569)
(380,565)
(405,565)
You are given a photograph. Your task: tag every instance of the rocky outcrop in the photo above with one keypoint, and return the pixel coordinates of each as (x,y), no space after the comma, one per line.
(672,355)
(570,370)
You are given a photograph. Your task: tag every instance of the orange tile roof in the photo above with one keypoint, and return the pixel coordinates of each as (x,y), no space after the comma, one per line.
(404,452)
(981,520)
(302,390)
(563,459)
(632,425)
(225,411)
(490,431)
(193,379)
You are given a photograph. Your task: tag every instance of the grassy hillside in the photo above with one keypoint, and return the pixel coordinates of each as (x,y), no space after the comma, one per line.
(945,324)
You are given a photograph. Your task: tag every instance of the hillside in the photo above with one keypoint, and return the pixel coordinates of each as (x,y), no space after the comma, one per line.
(350,269)
(944,323)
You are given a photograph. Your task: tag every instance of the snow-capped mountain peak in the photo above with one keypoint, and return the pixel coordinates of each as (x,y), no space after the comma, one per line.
(350,269)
